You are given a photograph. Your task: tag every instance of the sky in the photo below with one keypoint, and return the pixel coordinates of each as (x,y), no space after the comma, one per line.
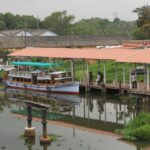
(81,9)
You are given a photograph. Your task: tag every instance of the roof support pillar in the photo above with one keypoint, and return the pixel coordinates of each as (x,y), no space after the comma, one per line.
(72,69)
(147,77)
(104,73)
(130,86)
(87,75)
(98,65)
(116,73)
(124,75)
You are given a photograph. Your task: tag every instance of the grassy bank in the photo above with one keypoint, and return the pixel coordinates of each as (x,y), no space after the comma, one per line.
(138,128)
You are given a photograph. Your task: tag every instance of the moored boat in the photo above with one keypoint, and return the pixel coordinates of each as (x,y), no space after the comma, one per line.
(41,81)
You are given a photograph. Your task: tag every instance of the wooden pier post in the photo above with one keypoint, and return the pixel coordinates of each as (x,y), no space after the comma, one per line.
(73,112)
(29,131)
(44,139)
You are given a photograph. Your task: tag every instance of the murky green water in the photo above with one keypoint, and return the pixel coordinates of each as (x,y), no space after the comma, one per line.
(94,111)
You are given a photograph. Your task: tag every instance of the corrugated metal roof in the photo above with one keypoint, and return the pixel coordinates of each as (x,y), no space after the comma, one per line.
(76,53)
(142,57)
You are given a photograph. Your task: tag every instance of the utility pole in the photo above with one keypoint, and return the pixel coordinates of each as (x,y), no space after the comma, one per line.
(37,19)
(25,31)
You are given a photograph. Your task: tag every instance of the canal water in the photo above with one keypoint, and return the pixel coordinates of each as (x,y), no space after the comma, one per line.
(84,117)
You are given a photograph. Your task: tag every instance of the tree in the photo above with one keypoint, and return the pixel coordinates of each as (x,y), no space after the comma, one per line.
(2,25)
(59,22)
(98,26)
(9,20)
(31,22)
(143,22)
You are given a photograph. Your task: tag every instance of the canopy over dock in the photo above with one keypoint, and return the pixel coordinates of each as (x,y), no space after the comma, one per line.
(76,53)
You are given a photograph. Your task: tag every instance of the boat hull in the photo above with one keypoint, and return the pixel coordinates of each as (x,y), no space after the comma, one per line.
(66,88)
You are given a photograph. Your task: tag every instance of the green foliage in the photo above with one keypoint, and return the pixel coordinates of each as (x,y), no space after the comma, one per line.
(8,18)
(62,23)
(10,21)
(97,26)
(142,133)
(143,23)
(30,22)
(2,25)
(138,128)
(3,54)
(59,22)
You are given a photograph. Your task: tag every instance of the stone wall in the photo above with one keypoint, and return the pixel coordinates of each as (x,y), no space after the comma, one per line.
(60,41)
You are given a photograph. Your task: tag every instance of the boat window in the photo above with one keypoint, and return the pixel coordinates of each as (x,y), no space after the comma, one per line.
(25,80)
(48,81)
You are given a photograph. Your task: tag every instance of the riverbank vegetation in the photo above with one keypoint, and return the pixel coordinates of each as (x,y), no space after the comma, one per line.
(138,128)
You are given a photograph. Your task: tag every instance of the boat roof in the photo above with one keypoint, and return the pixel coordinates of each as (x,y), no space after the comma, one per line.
(9,69)
(58,72)
(36,71)
(38,64)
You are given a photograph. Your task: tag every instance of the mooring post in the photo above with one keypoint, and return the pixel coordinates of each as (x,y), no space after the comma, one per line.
(29,119)
(44,122)
(44,139)
(29,131)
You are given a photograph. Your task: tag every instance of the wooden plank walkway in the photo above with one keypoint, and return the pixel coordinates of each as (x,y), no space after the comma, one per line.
(107,86)
(141,90)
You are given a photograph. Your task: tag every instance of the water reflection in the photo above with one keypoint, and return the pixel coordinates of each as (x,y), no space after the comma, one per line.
(95,111)
(108,109)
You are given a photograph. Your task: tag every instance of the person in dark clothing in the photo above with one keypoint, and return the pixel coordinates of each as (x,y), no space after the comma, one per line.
(100,79)
(90,78)
(133,80)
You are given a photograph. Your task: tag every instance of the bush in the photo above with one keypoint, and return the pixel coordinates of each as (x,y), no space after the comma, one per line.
(142,133)
(138,128)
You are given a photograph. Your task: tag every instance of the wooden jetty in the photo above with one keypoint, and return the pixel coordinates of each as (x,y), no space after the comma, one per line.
(116,88)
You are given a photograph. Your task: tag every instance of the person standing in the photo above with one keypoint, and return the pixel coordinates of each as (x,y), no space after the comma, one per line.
(98,79)
(133,79)
(90,78)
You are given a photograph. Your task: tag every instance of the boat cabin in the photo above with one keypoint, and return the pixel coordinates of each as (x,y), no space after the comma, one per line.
(38,77)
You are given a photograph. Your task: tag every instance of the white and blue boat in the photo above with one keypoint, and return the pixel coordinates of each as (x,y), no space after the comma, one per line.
(40,81)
